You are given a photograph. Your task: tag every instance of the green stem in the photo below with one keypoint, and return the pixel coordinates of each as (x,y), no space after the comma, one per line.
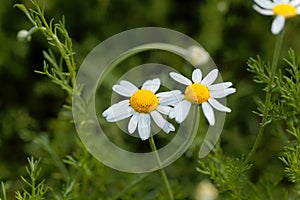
(3,191)
(267,104)
(68,56)
(162,171)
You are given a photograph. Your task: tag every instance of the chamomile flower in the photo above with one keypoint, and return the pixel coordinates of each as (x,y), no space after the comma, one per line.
(201,91)
(282,9)
(142,105)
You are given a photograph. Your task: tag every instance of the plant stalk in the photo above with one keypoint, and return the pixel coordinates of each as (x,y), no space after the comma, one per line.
(162,171)
(267,104)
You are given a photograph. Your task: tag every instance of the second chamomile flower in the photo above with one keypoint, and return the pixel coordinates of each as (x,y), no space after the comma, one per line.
(201,92)
(142,104)
(282,9)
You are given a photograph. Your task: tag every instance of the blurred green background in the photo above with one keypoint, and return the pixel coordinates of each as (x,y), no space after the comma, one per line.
(33,122)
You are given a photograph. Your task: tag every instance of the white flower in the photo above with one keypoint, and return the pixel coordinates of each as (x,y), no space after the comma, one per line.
(205,190)
(203,92)
(283,9)
(142,104)
(24,36)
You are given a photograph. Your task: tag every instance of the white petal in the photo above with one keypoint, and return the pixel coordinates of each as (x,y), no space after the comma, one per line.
(129,85)
(277,24)
(123,90)
(161,122)
(167,94)
(170,98)
(163,109)
(115,107)
(144,126)
(181,79)
(218,106)
(220,86)
(295,3)
(210,77)
(197,76)
(222,93)
(281,1)
(119,114)
(263,11)
(266,4)
(298,10)
(208,113)
(133,123)
(152,85)
(180,111)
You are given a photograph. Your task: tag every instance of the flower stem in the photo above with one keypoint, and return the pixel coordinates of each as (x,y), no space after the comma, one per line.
(267,104)
(3,190)
(162,171)
(65,48)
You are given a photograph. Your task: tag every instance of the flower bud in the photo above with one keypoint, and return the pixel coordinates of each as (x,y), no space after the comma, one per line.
(197,55)
(205,190)
(24,36)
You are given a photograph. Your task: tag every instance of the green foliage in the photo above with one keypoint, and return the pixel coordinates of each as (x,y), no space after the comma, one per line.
(288,85)
(260,70)
(284,107)
(32,121)
(63,69)
(286,95)
(289,111)
(280,111)
(290,158)
(261,73)
(37,190)
(229,174)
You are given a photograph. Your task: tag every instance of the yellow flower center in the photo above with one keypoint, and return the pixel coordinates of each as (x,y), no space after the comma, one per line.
(286,10)
(197,93)
(143,101)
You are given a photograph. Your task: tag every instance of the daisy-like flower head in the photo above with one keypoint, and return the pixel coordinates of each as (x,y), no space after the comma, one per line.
(201,91)
(282,9)
(142,104)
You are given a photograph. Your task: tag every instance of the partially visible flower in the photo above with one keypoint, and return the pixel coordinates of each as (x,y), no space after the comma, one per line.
(222,6)
(201,91)
(205,190)
(197,55)
(24,36)
(283,9)
(142,104)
